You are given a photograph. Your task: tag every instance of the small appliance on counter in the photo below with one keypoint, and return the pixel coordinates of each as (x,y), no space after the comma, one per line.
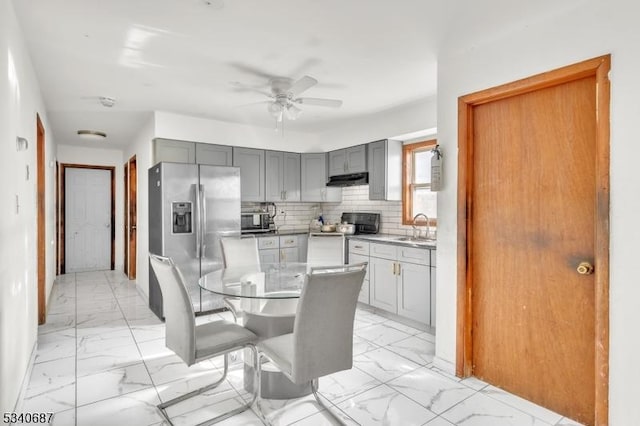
(364,222)
(255,220)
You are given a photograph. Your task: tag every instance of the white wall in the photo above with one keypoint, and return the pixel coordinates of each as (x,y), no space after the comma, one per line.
(20,101)
(102,157)
(412,117)
(568,33)
(141,148)
(183,127)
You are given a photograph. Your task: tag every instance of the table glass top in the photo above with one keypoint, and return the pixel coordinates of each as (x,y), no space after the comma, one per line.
(267,281)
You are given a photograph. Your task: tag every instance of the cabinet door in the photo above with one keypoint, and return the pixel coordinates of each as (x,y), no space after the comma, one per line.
(337,162)
(385,251)
(303,242)
(364,291)
(377,170)
(269,256)
(291,176)
(288,241)
(314,176)
(174,151)
(251,163)
(383,293)
(433,297)
(356,159)
(214,155)
(289,254)
(414,292)
(274,175)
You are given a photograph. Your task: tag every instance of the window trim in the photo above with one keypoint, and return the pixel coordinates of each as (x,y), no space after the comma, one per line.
(407,180)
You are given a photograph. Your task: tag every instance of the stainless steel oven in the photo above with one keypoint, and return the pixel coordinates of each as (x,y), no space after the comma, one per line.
(254,222)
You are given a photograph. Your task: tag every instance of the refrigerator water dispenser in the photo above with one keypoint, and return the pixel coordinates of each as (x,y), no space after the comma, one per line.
(181,217)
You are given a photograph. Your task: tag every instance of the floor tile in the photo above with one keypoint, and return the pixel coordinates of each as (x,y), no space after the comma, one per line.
(56,345)
(108,359)
(522,404)
(431,390)
(481,410)
(383,364)
(361,345)
(57,322)
(415,349)
(402,327)
(568,422)
(136,408)
(324,419)
(381,334)
(346,384)
(383,405)
(439,421)
(207,412)
(64,418)
(119,381)
(170,368)
(281,412)
(474,383)
(51,400)
(51,375)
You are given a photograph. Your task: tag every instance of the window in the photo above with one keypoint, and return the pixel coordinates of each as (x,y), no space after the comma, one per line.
(416,182)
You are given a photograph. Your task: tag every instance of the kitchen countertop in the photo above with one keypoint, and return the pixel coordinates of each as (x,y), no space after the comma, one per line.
(394,239)
(278,233)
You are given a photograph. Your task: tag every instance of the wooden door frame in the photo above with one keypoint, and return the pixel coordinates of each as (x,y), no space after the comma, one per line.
(599,68)
(63,211)
(125,209)
(132,203)
(41,219)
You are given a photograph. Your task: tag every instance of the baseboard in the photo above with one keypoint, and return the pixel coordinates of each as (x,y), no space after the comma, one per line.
(26,380)
(444,365)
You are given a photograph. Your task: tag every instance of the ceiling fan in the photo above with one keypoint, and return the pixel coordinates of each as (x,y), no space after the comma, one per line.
(284,97)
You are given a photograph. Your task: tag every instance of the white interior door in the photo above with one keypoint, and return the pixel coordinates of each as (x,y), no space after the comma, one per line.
(87,219)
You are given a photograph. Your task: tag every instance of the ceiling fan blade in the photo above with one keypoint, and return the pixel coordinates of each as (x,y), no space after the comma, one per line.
(251,70)
(331,103)
(301,85)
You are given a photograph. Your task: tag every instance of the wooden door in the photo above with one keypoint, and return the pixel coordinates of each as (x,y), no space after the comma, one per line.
(133,217)
(41,226)
(536,206)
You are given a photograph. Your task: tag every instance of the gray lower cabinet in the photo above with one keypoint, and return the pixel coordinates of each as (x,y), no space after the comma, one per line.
(173,151)
(385,170)
(269,249)
(289,248)
(348,160)
(383,289)
(364,291)
(214,155)
(252,176)
(313,179)
(282,171)
(414,292)
(401,279)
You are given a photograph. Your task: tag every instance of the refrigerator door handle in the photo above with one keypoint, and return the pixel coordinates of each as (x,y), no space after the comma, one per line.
(198,223)
(203,221)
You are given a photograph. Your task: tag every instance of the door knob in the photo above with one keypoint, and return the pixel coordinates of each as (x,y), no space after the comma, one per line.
(585,268)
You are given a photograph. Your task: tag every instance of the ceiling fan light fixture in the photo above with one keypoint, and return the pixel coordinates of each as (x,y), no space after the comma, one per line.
(293,112)
(275,109)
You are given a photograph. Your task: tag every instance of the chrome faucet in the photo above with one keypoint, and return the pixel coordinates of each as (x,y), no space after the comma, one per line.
(426,232)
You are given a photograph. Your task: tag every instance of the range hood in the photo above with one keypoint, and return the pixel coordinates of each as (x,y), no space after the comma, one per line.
(349,180)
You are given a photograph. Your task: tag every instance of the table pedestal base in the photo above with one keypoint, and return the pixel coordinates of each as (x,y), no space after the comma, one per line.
(275,385)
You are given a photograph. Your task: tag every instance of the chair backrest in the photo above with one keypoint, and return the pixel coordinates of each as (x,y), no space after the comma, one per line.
(323,326)
(325,250)
(240,252)
(180,323)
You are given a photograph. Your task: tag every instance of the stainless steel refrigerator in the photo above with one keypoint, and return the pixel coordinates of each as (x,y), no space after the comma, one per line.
(191,207)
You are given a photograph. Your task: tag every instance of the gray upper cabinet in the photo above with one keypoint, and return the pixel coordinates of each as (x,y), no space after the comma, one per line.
(385,170)
(173,151)
(214,155)
(348,160)
(314,179)
(282,181)
(252,175)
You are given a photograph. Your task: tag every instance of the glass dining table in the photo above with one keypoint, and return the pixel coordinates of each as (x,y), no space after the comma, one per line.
(266,298)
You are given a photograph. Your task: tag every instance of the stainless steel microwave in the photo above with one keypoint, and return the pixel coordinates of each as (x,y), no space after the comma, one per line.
(255,222)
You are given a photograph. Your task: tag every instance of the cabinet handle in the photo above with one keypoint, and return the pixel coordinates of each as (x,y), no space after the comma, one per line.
(393,271)
(399,271)
(358,247)
(285,195)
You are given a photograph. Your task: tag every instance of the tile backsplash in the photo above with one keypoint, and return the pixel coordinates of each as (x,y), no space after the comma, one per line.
(297,216)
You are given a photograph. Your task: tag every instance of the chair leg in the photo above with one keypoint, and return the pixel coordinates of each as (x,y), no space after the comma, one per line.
(314,389)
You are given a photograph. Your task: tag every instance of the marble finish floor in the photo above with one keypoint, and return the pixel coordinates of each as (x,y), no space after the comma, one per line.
(101,360)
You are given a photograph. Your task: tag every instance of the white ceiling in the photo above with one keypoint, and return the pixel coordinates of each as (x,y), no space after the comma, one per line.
(188,57)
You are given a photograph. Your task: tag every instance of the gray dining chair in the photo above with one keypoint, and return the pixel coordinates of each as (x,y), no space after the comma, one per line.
(322,339)
(239,253)
(194,343)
